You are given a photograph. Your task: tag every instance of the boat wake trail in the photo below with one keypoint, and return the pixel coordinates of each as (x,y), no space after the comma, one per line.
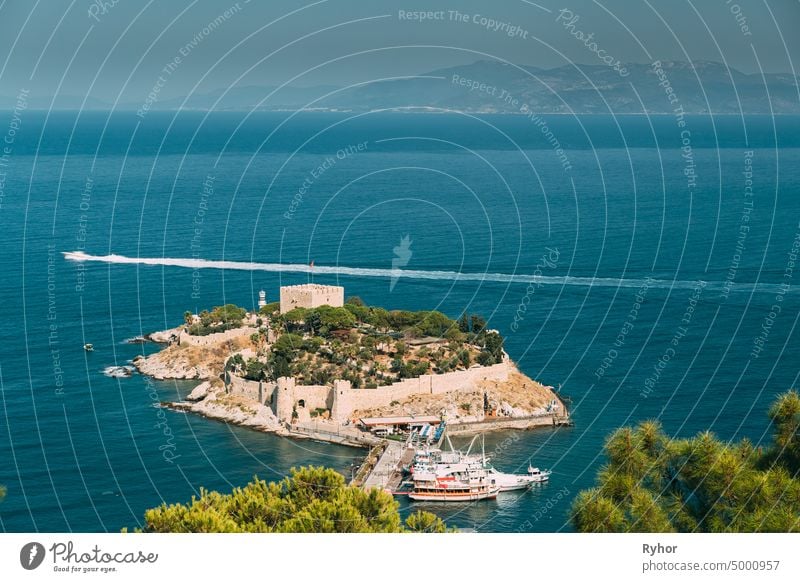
(721,286)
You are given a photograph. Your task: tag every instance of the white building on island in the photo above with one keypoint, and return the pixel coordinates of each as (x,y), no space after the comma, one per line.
(311,295)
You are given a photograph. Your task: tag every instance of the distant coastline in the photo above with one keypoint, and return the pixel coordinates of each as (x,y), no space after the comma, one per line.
(495,87)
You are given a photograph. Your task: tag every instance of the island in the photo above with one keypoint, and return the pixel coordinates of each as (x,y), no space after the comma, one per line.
(314,365)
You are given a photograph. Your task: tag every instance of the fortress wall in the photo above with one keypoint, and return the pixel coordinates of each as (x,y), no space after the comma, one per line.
(347,400)
(186,339)
(468,379)
(288,396)
(250,389)
(342,400)
(313,396)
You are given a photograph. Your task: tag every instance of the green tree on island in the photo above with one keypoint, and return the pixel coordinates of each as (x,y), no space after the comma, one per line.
(653,483)
(310,500)
(221,318)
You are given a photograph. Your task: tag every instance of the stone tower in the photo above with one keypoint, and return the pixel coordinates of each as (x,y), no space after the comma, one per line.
(284,399)
(342,404)
(310,296)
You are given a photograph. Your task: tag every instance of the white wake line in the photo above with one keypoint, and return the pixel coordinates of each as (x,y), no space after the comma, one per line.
(80,256)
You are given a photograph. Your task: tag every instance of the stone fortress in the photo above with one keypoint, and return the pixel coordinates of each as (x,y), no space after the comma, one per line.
(288,400)
(310,295)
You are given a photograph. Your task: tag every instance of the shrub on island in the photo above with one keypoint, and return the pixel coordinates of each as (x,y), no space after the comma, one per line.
(369,346)
(219,319)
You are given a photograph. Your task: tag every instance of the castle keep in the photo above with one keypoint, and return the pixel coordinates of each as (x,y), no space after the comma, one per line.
(310,295)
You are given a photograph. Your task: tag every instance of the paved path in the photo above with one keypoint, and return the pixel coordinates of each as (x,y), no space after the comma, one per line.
(334,434)
(386,467)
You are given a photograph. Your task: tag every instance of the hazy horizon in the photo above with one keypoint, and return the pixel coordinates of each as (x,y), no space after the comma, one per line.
(118,52)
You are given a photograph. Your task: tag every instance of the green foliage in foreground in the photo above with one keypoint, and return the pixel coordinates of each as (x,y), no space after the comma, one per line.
(311,500)
(656,484)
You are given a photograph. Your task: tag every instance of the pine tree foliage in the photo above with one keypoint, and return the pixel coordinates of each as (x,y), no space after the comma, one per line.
(310,500)
(652,483)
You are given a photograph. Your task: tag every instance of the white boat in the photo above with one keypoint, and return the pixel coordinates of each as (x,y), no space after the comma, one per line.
(513,482)
(538,475)
(88,347)
(471,484)
(456,464)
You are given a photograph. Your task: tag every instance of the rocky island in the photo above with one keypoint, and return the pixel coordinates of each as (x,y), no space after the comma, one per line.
(314,365)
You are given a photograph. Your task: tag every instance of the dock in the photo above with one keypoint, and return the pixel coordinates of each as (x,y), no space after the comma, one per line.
(339,435)
(383,467)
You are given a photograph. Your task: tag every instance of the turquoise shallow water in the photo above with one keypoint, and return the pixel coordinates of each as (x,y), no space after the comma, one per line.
(83,452)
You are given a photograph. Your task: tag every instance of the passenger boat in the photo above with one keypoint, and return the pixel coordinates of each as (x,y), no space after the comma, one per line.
(457,464)
(474,485)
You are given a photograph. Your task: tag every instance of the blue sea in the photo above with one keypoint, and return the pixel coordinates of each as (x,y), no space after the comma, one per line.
(643,269)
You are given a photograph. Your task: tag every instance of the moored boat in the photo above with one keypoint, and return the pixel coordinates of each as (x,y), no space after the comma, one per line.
(457,464)
(513,482)
(538,475)
(474,485)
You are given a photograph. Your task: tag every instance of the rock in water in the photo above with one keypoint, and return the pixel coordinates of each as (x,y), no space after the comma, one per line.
(200,391)
(119,371)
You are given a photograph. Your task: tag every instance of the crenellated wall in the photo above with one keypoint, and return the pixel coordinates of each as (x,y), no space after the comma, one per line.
(186,339)
(347,400)
(259,391)
(303,399)
(342,400)
(310,295)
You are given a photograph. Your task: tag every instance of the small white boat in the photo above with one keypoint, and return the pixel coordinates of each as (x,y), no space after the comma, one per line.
(537,475)
(509,481)
(88,347)
(512,482)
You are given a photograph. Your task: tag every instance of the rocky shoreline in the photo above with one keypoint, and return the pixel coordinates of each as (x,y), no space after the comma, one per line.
(213,403)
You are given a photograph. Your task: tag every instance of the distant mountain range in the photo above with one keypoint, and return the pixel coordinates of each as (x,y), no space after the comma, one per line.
(493,87)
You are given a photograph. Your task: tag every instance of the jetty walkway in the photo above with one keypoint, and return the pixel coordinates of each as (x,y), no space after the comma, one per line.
(386,469)
(349,436)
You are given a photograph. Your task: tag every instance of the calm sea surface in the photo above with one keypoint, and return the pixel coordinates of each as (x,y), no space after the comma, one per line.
(640,235)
